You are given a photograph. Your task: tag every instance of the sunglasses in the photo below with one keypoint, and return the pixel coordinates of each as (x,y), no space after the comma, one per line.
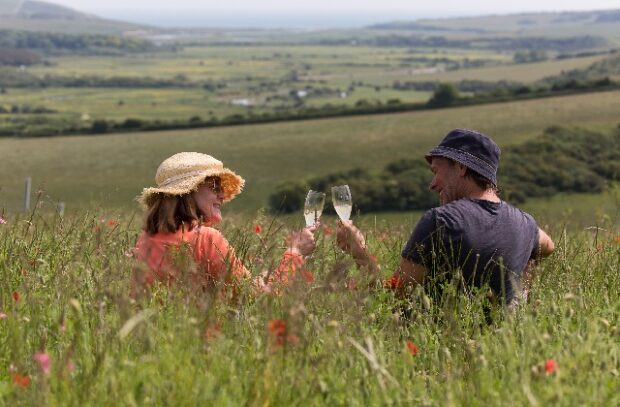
(214,184)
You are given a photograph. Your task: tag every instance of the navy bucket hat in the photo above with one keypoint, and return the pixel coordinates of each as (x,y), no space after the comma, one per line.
(472,149)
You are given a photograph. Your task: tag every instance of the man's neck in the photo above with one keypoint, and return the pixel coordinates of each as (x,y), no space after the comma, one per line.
(475,192)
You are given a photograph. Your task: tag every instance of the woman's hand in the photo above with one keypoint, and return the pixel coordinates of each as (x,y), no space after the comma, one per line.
(302,242)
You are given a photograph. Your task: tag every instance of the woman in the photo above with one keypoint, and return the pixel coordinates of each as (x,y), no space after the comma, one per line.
(180,214)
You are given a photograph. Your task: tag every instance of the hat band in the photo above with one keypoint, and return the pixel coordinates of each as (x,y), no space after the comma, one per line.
(478,159)
(176,178)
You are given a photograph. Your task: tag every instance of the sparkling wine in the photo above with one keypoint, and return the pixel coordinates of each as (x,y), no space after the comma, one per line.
(312,216)
(344,211)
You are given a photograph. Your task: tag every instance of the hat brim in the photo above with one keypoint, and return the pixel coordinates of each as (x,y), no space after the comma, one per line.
(470,161)
(232,185)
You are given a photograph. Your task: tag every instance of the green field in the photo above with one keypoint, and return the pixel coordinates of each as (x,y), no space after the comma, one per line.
(263,77)
(65,302)
(110,170)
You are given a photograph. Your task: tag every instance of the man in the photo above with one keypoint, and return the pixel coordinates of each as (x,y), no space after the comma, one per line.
(473,231)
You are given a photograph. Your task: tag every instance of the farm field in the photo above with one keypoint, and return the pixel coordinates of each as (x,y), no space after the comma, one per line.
(254,80)
(88,171)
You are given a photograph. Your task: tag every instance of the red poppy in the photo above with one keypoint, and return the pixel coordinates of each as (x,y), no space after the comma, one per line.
(412,348)
(112,222)
(327,230)
(277,329)
(21,380)
(394,283)
(213,331)
(16,296)
(257,229)
(617,239)
(551,366)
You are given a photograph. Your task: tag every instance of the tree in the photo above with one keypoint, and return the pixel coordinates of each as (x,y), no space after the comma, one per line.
(445,95)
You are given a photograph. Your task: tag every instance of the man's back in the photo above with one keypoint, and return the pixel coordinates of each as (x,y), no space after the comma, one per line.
(488,241)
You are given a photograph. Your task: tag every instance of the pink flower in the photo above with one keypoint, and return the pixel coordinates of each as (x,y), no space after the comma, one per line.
(257,229)
(3,316)
(44,361)
(551,366)
(3,221)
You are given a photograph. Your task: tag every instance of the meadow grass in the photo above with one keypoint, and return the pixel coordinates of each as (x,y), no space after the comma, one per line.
(65,293)
(88,171)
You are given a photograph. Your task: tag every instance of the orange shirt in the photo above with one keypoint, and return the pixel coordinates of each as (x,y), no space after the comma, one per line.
(215,260)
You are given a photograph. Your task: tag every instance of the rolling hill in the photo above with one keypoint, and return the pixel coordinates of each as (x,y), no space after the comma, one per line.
(43,16)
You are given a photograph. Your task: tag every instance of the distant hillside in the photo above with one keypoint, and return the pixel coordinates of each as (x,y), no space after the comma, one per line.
(522,23)
(43,16)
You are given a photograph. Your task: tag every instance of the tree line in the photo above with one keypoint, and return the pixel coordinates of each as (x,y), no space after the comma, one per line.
(561,160)
(49,42)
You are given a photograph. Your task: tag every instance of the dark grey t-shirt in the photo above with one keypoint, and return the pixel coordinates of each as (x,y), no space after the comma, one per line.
(489,242)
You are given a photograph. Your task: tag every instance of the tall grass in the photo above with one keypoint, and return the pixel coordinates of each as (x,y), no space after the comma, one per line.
(64,291)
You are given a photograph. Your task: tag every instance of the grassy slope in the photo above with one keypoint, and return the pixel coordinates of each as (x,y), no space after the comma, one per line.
(112,169)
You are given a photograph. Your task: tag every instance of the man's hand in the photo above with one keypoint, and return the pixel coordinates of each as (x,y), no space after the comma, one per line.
(350,239)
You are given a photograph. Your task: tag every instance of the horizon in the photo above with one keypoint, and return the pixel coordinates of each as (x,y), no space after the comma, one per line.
(320,14)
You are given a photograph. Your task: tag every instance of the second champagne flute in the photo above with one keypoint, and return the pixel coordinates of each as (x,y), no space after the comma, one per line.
(341,198)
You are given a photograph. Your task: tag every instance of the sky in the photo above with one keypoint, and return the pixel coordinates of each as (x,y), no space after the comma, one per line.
(309,13)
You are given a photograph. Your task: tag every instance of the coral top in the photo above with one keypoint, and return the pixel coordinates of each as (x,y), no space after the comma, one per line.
(211,258)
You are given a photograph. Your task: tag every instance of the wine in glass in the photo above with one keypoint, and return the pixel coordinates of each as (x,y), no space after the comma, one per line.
(341,198)
(313,207)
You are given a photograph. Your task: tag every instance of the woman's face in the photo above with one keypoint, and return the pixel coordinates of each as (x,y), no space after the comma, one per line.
(209,198)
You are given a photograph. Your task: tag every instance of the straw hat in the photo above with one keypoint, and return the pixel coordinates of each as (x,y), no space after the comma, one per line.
(184,172)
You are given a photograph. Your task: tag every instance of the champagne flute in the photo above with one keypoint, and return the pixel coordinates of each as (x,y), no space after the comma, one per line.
(313,207)
(341,198)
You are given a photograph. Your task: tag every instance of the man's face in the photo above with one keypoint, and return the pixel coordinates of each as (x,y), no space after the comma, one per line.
(447,181)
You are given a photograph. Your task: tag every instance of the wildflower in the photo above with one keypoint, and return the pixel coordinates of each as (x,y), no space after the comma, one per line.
(112,222)
(3,221)
(16,296)
(44,362)
(21,380)
(617,239)
(412,348)
(277,330)
(3,316)
(257,229)
(327,230)
(550,366)
(212,331)
(394,283)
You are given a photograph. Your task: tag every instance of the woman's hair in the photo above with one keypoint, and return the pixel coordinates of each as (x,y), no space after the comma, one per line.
(168,212)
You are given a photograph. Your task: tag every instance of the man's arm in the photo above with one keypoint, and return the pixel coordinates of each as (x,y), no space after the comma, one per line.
(545,244)
(408,274)
(545,248)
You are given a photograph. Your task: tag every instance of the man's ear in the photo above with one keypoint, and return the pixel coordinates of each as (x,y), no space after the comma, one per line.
(462,169)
